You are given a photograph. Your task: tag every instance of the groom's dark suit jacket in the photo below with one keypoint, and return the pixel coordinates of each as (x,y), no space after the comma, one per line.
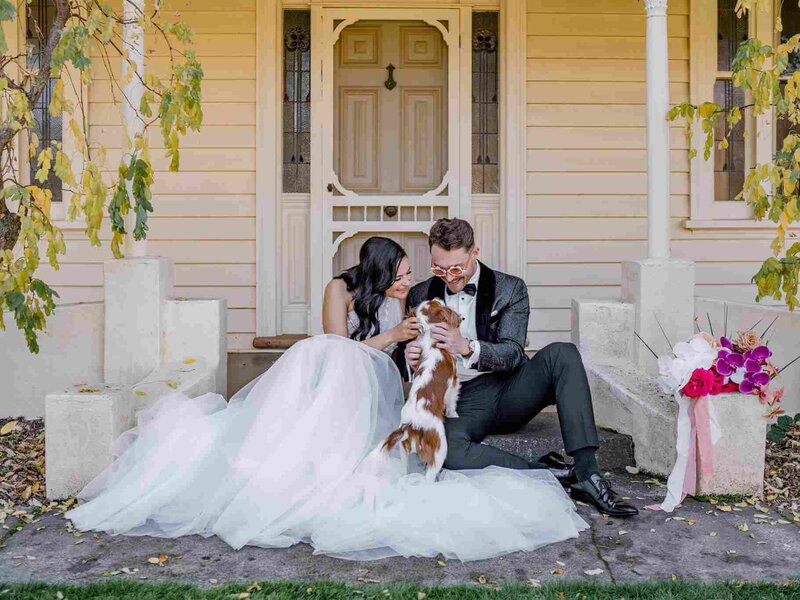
(501,317)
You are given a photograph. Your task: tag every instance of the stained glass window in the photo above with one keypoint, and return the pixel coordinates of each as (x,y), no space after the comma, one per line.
(40,15)
(296,101)
(729,163)
(485,138)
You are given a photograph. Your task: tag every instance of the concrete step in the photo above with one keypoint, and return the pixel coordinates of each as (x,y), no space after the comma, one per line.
(543,435)
(539,437)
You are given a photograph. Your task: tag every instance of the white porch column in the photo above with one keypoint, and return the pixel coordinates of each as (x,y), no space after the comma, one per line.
(133,88)
(658,168)
(660,288)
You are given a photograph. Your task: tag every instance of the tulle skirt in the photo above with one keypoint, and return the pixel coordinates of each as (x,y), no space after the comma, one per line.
(292,458)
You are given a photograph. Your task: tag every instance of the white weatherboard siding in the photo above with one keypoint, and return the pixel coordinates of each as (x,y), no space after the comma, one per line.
(205,214)
(587,162)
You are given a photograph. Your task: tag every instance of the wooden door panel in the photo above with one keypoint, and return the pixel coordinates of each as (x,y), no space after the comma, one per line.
(421,146)
(358,148)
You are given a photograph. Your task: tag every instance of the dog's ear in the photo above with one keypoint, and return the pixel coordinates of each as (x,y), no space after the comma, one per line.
(452,317)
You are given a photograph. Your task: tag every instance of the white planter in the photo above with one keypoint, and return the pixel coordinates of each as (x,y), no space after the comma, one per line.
(739,453)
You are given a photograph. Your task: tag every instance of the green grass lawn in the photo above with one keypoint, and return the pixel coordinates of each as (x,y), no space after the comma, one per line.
(336,591)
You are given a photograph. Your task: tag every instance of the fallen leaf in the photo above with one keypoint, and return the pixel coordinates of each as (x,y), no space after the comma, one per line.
(594,572)
(742,527)
(60,595)
(557,572)
(153,560)
(713,534)
(190,361)
(534,583)
(561,564)
(724,508)
(441,563)
(622,532)
(481,579)
(674,577)
(140,393)
(244,595)
(88,390)
(213,581)
(8,428)
(173,384)
(632,470)
(421,595)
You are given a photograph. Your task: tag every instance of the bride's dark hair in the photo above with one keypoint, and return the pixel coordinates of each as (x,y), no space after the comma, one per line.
(375,273)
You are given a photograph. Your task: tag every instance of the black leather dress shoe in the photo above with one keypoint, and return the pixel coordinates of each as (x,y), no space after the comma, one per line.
(566,477)
(554,460)
(596,491)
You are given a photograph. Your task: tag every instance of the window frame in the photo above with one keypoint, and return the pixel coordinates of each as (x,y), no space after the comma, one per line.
(77,94)
(705,211)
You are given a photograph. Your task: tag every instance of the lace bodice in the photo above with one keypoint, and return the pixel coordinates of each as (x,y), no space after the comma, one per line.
(389,315)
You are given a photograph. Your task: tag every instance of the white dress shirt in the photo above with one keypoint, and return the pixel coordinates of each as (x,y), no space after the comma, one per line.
(465,306)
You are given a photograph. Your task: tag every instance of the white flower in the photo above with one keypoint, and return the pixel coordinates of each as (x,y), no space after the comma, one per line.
(676,372)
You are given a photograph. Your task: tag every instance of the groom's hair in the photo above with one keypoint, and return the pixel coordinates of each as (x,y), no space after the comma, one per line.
(452,234)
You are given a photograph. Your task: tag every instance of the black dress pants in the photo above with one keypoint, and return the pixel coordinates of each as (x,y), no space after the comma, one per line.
(497,403)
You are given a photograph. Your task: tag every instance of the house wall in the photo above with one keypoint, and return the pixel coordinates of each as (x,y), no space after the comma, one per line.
(587,162)
(204,216)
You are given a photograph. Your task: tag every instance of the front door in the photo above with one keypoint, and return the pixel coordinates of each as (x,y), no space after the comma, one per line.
(387,117)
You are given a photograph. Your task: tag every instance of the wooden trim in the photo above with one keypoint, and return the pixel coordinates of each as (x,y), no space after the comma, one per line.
(513,175)
(269,22)
(738,224)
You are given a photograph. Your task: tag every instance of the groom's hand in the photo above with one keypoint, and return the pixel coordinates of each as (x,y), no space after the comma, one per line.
(449,339)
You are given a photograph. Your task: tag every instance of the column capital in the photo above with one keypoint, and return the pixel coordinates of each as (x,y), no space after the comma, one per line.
(655,7)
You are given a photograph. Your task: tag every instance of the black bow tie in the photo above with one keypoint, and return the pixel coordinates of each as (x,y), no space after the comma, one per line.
(470,289)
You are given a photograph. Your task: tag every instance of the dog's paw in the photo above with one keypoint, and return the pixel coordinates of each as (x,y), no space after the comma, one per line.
(451,414)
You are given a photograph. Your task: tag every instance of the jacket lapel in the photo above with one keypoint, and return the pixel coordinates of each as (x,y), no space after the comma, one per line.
(436,289)
(483,307)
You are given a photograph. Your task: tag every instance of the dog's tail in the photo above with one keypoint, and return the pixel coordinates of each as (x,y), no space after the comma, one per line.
(425,442)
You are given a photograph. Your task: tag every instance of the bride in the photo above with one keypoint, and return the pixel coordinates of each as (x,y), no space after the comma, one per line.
(288,460)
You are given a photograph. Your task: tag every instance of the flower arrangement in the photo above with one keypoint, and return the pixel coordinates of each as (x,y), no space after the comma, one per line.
(707,366)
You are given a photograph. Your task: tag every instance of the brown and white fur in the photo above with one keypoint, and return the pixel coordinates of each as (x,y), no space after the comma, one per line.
(433,395)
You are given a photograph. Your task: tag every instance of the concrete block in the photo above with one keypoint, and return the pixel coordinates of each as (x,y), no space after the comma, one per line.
(191,377)
(662,291)
(739,454)
(603,329)
(629,401)
(135,290)
(197,329)
(81,424)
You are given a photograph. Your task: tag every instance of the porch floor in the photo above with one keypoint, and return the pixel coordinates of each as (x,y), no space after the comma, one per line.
(651,546)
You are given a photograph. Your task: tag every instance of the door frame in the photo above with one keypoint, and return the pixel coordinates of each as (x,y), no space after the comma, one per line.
(327,24)
(511,212)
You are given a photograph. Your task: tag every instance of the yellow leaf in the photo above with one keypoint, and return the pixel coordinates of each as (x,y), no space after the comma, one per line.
(189,361)
(8,428)
(481,579)
(244,595)
(140,393)
(88,390)
(441,563)
(42,199)
(153,560)
(173,384)
(724,508)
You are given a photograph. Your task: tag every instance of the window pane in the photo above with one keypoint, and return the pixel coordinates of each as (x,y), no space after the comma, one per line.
(296,101)
(485,157)
(729,163)
(40,17)
(731,31)
(790,17)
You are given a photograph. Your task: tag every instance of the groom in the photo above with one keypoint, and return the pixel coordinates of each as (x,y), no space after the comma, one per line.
(502,389)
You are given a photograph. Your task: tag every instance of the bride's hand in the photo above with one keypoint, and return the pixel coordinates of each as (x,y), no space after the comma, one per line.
(408,329)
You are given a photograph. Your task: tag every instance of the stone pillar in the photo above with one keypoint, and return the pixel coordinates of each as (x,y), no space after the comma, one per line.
(662,291)
(133,89)
(135,290)
(658,167)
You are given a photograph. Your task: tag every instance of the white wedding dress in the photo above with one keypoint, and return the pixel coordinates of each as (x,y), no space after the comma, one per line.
(291,459)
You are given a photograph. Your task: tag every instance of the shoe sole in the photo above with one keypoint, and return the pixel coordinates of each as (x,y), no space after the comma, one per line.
(586,499)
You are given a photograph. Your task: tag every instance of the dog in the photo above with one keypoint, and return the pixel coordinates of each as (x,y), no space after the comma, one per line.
(433,395)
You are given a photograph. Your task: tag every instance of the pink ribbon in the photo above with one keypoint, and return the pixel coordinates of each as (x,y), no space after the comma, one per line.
(694,447)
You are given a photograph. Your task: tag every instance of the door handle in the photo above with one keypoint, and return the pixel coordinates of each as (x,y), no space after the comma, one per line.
(390,83)
(330,187)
